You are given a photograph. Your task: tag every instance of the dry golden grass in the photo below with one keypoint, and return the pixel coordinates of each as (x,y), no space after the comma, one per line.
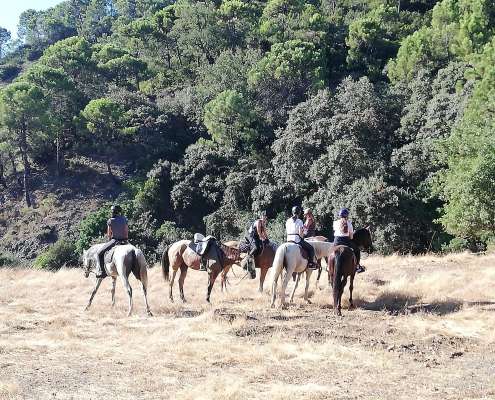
(424,329)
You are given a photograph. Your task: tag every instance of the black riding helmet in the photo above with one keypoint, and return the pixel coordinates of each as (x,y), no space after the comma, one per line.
(296,211)
(116,210)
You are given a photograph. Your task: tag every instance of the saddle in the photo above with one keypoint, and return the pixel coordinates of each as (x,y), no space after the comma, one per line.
(201,244)
(304,252)
(108,256)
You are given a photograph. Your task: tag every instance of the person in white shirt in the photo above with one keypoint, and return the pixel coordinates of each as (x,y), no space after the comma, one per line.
(343,235)
(294,228)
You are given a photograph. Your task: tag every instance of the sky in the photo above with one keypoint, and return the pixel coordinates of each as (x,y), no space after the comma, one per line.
(11,9)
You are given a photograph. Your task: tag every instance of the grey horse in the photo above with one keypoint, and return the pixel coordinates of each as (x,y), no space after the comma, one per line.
(126,259)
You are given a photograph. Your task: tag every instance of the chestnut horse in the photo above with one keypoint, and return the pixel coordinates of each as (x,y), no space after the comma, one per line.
(342,264)
(180,256)
(263,261)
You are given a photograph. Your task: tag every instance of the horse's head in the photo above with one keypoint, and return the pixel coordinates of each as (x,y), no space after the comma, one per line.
(362,237)
(87,264)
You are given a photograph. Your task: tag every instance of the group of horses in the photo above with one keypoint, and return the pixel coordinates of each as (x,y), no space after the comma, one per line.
(287,260)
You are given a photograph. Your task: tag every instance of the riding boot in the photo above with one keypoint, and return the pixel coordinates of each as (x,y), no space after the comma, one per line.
(99,271)
(312,264)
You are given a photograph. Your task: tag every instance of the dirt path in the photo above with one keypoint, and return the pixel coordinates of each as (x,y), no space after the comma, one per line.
(416,334)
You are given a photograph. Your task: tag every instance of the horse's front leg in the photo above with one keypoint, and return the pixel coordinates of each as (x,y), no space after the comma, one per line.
(223,281)
(263,271)
(285,283)
(351,287)
(306,289)
(114,282)
(97,285)
(125,282)
(294,289)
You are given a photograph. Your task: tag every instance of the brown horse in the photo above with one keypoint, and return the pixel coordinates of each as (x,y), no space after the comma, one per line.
(263,261)
(342,263)
(180,256)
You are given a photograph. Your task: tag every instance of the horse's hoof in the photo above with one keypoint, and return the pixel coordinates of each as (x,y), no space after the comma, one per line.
(308,301)
(338,313)
(150,314)
(285,306)
(352,307)
(86,308)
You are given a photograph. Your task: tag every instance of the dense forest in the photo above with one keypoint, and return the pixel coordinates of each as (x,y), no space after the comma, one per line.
(220,109)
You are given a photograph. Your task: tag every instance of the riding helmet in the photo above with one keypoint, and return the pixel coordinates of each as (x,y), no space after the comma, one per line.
(296,210)
(343,213)
(116,210)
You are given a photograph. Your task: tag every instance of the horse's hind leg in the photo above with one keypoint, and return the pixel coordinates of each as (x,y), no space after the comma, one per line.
(182,278)
(144,282)
(114,281)
(97,285)
(171,288)
(125,281)
(294,289)
(351,287)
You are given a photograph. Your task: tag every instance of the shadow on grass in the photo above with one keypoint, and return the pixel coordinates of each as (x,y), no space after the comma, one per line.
(396,303)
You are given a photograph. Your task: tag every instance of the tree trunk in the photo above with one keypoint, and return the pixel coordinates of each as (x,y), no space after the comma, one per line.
(60,155)
(25,163)
(12,161)
(27,171)
(2,178)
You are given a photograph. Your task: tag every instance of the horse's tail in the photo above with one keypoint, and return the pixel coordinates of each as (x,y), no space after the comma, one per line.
(337,277)
(165,264)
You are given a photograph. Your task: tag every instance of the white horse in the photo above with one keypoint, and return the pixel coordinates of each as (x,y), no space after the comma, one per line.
(289,255)
(126,259)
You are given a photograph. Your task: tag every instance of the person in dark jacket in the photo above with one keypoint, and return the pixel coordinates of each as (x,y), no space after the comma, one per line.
(257,235)
(117,232)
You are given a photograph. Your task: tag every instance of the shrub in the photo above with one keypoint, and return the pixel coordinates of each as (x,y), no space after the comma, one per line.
(169,233)
(456,245)
(60,254)
(7,260)
(92,227)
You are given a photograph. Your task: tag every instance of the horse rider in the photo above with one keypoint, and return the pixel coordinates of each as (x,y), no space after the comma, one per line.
(309,223)
(343,234)
(294,228)
(117,231)
(257,236)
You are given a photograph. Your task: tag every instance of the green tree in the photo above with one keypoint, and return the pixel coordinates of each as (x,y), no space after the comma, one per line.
(230,120)
(284,75)
(23,113)
(467,183)
(105,119)
(4,40)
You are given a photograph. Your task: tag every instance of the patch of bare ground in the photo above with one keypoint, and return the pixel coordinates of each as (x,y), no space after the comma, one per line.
(60,203)
(424,329)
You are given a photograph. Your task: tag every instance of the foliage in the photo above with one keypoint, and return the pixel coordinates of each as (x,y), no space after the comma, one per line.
(93,226)
(61,254)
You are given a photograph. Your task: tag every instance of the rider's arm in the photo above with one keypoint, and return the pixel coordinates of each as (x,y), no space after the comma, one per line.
(109,232)
(126,232)
(351,230)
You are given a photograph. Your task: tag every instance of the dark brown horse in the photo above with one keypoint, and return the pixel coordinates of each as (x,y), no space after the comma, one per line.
(342,264)
(263,261)
(180,256)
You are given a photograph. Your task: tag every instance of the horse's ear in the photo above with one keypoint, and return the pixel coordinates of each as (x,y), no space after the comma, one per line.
(367,227)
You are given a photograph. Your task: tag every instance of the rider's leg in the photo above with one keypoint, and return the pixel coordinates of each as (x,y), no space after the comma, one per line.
(357,253)
(253,252)
(311,254)
(100,255)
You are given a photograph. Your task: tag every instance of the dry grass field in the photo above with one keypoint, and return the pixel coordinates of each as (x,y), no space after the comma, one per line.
(424,329)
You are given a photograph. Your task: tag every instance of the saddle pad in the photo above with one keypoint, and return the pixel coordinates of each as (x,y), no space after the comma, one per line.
(109,255)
